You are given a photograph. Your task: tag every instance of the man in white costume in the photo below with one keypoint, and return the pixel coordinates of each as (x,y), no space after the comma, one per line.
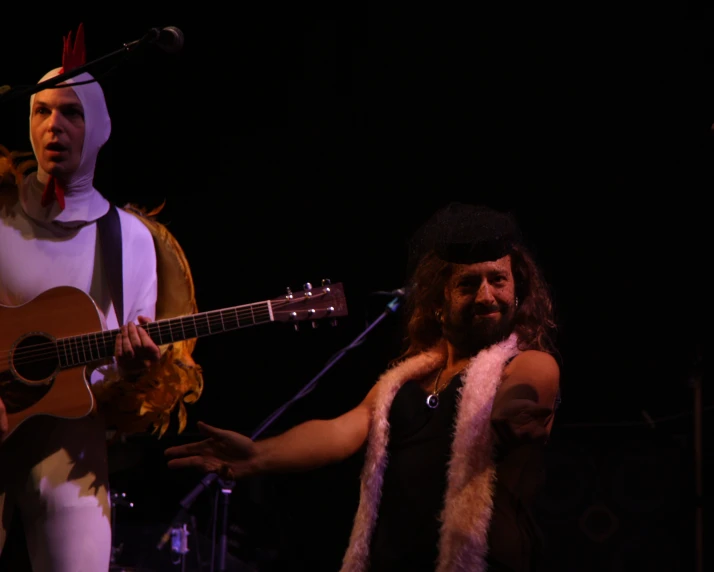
(53,470)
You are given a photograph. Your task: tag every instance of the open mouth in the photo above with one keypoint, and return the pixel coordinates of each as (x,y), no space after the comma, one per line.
(58,147)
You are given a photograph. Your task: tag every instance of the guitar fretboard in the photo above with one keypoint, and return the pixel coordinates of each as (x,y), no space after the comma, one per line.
(81,350)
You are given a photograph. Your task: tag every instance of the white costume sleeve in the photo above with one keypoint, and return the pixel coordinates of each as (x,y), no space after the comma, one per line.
(140,282)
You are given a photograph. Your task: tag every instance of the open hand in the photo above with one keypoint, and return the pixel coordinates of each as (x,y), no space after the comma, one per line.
(134,349)
(227,453)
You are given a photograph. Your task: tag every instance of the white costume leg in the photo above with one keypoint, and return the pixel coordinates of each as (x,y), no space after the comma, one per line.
(68,531)
(64,504)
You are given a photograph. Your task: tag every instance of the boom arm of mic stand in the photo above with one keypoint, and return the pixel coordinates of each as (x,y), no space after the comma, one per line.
(13,94)
(392,307)
(188,500)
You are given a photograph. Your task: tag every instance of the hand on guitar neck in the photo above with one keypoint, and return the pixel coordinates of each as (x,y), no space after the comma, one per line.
(134,349)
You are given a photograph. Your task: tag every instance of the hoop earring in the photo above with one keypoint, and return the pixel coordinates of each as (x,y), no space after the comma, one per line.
(516,301)
(437,313)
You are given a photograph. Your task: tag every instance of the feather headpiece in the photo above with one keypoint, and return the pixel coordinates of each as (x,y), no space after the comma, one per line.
(73,56)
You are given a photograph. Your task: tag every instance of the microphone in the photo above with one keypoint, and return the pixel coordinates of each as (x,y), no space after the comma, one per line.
(169,39)
(398,292)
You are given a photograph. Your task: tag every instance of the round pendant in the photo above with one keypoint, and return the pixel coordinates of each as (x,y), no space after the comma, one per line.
(433,401)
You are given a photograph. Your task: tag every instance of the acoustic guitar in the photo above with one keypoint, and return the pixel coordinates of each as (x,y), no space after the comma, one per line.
(47,343)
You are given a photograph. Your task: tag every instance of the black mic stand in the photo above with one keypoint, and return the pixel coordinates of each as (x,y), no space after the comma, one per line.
(227,486)
(12,93)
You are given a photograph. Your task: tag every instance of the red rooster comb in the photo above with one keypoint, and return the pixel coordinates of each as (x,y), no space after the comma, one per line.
(75,55)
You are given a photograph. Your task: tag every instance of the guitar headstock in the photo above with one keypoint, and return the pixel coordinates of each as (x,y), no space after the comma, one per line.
(311,304)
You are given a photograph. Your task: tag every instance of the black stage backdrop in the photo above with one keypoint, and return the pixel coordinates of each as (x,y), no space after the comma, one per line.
(294,147)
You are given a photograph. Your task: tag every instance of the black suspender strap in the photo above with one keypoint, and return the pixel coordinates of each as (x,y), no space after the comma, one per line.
(109,231)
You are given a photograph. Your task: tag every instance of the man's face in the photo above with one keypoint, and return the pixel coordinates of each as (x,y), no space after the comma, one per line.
(480,302)
(57,129)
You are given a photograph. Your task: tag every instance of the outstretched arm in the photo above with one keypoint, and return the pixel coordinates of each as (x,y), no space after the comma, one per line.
(306,446)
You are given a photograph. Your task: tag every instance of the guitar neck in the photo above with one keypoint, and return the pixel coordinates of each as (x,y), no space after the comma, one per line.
(327,301)
(83,349)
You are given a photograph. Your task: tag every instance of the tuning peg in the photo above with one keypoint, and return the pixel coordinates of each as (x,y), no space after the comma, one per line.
(293,315)
(289,293)
(333,322)
(307,287)
(120,499)
(314,325)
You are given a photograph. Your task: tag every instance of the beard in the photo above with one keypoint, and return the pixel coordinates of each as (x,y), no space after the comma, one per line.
(470,333)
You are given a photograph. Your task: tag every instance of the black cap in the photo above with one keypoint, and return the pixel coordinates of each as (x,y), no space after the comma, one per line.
(466,234)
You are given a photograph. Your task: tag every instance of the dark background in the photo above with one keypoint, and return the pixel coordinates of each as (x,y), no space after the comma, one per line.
(291,148)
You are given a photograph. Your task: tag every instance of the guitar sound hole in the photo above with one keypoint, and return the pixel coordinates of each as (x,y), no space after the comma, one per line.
(35,359)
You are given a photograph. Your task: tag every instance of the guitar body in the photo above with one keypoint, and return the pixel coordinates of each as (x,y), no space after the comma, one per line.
(31,382)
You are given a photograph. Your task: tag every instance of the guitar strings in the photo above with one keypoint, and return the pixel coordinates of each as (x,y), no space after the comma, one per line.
(101,337)
(83,345)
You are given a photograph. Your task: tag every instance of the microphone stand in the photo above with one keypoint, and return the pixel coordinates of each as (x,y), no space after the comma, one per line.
(12,93)
(227,486)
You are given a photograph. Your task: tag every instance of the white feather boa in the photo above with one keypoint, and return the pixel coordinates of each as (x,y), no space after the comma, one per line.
(468,502)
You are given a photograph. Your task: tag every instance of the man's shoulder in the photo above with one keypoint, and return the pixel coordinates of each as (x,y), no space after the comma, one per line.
(173,267)
(133,231)
(534,369)
(540,366)
(148,224)
(144,220)
(536,359)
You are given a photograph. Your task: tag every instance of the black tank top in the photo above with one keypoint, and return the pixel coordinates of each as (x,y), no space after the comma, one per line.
(406,534)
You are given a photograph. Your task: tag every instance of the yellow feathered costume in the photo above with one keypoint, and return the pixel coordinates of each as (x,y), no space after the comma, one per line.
(147,403)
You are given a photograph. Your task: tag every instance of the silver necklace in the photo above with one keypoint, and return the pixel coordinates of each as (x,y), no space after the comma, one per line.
(432,399)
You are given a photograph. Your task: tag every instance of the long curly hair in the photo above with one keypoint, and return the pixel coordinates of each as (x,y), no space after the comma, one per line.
(534,320)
